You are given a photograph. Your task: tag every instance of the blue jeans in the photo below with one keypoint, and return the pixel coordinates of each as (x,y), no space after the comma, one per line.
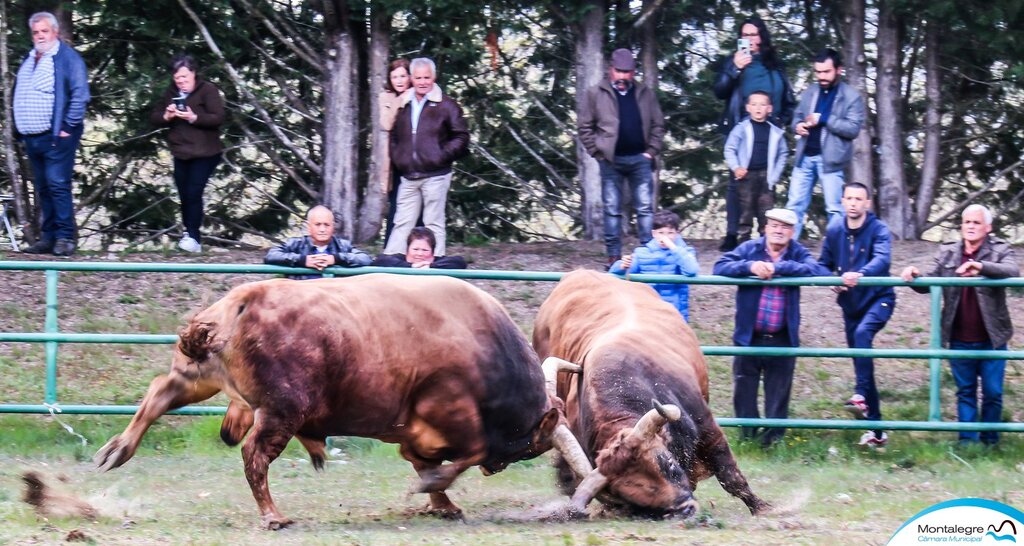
(860,334)
(637,170)
(801,187)
(53,162)
(966,372)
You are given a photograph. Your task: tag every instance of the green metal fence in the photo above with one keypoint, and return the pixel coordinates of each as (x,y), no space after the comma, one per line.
(52,337)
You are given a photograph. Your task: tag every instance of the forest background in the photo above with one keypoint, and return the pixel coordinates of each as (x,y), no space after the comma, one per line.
(943,80)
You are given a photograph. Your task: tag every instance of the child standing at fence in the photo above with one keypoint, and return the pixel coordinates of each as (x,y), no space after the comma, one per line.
(665,254)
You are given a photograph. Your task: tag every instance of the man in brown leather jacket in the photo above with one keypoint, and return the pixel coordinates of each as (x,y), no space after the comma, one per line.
(430,133)
(975,317)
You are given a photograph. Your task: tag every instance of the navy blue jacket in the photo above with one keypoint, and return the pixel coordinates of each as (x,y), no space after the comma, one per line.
(795,262)
(70,89)
(868,251)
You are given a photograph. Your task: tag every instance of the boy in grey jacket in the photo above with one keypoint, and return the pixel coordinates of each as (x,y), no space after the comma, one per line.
(756,153)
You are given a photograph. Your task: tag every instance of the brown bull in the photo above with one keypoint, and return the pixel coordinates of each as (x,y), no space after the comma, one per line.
(430,363)
(619,346)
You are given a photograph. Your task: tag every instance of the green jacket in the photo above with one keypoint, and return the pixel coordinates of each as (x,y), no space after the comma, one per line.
(997,262)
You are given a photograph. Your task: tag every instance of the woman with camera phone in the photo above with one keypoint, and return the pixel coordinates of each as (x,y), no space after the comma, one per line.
(193,111)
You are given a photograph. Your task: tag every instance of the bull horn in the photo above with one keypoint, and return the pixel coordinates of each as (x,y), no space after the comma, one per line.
(551,366)
(670,412)
(587,490)
(573,454)
(653,420)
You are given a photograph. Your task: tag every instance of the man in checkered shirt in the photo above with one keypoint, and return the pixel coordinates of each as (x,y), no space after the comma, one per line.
(50,95)
(767,316)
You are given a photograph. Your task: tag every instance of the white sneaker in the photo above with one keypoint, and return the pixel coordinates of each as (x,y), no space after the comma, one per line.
(869,439)
(189,244)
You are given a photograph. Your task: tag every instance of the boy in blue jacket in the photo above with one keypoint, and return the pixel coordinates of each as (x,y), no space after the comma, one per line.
(665,254)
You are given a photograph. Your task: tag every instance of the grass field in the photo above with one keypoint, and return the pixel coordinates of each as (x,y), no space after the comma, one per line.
(185,487)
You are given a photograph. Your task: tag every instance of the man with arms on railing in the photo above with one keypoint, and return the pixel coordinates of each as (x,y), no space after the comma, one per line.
(856,246)
(975,318)
(318,250)
(767,316)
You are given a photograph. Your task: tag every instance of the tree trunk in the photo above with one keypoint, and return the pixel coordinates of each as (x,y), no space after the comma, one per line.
(892,195)
(589,71)
(861,167)
(649,65)
(371,211)
(22,215)
(932,126)
(341,119)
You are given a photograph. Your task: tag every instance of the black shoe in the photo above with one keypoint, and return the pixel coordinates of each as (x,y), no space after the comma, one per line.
(42,246)
(64,247)
(728,244)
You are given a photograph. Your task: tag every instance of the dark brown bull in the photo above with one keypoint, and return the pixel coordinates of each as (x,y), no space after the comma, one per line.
(619,346)
(430,363)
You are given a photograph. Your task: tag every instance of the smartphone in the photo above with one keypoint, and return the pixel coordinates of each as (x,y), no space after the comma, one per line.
(179,103)
(743,45)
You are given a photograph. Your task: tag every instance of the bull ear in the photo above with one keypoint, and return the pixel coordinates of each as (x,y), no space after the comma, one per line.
(198,339)
(547,426)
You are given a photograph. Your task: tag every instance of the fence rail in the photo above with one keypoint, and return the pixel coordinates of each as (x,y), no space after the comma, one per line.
(52,337)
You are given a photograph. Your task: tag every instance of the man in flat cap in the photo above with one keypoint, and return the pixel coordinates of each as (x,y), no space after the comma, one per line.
(620,124)
(767,316)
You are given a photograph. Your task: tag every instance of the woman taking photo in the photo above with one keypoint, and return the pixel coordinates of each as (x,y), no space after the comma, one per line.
(389,101)
(193,110)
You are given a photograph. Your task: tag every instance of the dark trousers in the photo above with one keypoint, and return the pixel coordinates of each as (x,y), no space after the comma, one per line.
(732,207)
(53,163)
(755,199)
(860,334)
(777,372)
(966,372)
(191,176)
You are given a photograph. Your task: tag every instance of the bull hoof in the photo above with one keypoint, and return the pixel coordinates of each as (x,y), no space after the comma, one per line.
(275,523)
(759,507)
(112,455)
(451,514)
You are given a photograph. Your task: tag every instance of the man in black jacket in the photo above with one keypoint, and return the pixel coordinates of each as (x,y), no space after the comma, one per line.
(318,250)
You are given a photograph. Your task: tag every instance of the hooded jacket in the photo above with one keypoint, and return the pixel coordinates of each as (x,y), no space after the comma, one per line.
(868,251)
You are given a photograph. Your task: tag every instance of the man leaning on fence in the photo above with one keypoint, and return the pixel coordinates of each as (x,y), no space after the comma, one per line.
(974,318)
(860,245)
(767,316)
(318,250)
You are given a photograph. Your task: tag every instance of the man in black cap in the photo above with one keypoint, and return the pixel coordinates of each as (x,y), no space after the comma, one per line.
(621,126)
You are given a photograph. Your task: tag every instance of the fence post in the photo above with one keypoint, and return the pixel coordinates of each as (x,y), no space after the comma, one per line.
(935,364)
(50,326)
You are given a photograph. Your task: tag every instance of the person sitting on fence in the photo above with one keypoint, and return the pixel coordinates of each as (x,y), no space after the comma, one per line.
(665,254)
(318,250)
(767,316)
(975,318)
(419,254)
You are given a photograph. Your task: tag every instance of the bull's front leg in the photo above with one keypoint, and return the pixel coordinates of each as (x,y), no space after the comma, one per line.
(165,393)
(718,457)
(440,504)
(269,437)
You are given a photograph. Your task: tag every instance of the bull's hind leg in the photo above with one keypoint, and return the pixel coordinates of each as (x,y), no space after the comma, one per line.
(269,437)
(716,454)
(165,393)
